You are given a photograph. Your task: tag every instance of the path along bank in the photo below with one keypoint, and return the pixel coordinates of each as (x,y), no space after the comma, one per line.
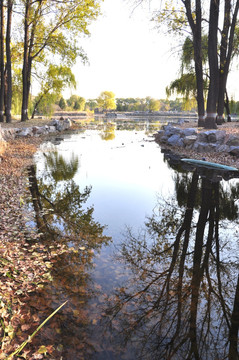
(24,264)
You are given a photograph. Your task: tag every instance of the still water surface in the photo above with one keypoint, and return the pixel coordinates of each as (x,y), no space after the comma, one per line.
(144,276)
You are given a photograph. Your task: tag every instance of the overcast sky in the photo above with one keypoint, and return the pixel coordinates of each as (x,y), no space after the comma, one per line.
(128,55)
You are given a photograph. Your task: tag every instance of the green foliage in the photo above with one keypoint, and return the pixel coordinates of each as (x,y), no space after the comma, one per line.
(16,91)
(45,105)
(173,16)
(52,29)
(55,80)
(76,102)
(106,100)
(91,104)
(62,103)
(186,85)
(149,104)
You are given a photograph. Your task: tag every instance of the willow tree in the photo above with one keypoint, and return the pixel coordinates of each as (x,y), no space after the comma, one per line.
(186,84)
(53,83)
(51,28)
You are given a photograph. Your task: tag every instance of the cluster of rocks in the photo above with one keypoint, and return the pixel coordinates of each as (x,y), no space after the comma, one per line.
(53,126)
(200,141)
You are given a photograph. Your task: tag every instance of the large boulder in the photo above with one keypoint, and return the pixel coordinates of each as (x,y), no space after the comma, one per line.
(25,132)
(202,137)
(216,136)
(223,148)
(66,124)
(61,125)
(170,130)
(175,140)
(189,132)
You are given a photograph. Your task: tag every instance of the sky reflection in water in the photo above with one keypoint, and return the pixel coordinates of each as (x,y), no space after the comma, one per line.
(176,288)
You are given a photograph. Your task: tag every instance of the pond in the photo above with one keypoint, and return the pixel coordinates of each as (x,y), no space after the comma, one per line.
(143,247)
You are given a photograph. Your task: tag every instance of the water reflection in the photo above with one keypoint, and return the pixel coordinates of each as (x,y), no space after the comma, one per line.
(70,240)
(182,301)
(178,296)
(108,132)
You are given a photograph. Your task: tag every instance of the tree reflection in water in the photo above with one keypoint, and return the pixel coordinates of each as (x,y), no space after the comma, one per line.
(183,299)
(71,238)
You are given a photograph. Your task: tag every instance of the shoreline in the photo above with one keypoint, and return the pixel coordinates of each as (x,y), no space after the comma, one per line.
(231,130)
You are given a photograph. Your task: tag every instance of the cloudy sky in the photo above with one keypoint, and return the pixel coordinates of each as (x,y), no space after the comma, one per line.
(128,56)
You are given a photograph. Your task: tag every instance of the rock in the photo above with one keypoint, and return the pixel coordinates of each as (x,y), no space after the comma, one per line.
(66,124)
(232,141)
(204,147)
(10,133)
(223,148)
(220,136)
(51,129)
(61,125)
(234,150)
(214,136)
(202,137)
(175,140)
(54,122)
(171,130)
(24,132)
(189,132)
(189,140)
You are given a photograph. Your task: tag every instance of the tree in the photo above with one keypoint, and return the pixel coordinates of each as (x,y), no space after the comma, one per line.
(2,61)
(51,27)
(186,84)
(80,104)
(62,103)
(188,17)
(106,100)
(152,104)
(76,102)
(91,104)
(8,105)
(56,79)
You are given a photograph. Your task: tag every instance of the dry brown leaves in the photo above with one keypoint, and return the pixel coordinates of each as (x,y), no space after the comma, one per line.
(24,264)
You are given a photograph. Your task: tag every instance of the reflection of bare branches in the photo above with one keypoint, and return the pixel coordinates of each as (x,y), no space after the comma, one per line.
(233,333)
(178,303)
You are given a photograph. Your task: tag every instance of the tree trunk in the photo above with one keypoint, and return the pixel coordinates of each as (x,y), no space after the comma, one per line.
(226,54)
(233,331)
(2,62)
(36,105)
(9,63)
(197,43)
(212,99)
(196,28)
(25,69)
(227,107)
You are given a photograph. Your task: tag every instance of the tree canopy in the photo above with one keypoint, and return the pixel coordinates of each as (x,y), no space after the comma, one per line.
(106,100)
(43,33)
